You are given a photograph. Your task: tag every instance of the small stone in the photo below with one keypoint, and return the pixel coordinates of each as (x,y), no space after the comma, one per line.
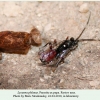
(79,55)
(41,79)
(84,8)
(39,15)
(13,61)
(29,88)
(63,72)
(88,51)
(94,83)
(62,80)
(98,55)
(38,68)
(62,83)
(46,76)
(98,47)
(32,52)
(13,81)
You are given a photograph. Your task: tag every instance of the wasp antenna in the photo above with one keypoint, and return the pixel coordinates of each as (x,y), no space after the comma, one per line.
(84,27)
(81,40)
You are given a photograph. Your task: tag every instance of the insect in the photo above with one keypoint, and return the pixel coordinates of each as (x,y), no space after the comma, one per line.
(56,55)
(18,42)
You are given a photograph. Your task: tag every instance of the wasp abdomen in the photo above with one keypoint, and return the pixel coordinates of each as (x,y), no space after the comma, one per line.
(48,55)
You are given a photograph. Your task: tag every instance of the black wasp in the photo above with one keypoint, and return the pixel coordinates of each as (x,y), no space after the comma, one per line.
(58,54)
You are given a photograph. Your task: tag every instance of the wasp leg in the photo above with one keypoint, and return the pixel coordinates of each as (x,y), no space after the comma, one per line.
(55,42)
(59,61)
(42,49)
(67,38)
(47,44)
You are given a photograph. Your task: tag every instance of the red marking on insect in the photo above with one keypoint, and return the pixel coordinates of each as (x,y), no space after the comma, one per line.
(47,56)
(57,54)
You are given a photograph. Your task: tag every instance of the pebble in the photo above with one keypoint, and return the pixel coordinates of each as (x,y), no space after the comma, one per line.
(62,80)
(38,68)
(98,55)
(41,79)
(13,61)
(13,81)
(46,76)
(98,47)
(61,84)
(64,72)
(84,8)
(79,55)
(94,83)
(29,88)
(39,15)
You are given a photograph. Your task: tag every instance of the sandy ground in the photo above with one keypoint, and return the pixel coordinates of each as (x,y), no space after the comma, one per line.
(55,20)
